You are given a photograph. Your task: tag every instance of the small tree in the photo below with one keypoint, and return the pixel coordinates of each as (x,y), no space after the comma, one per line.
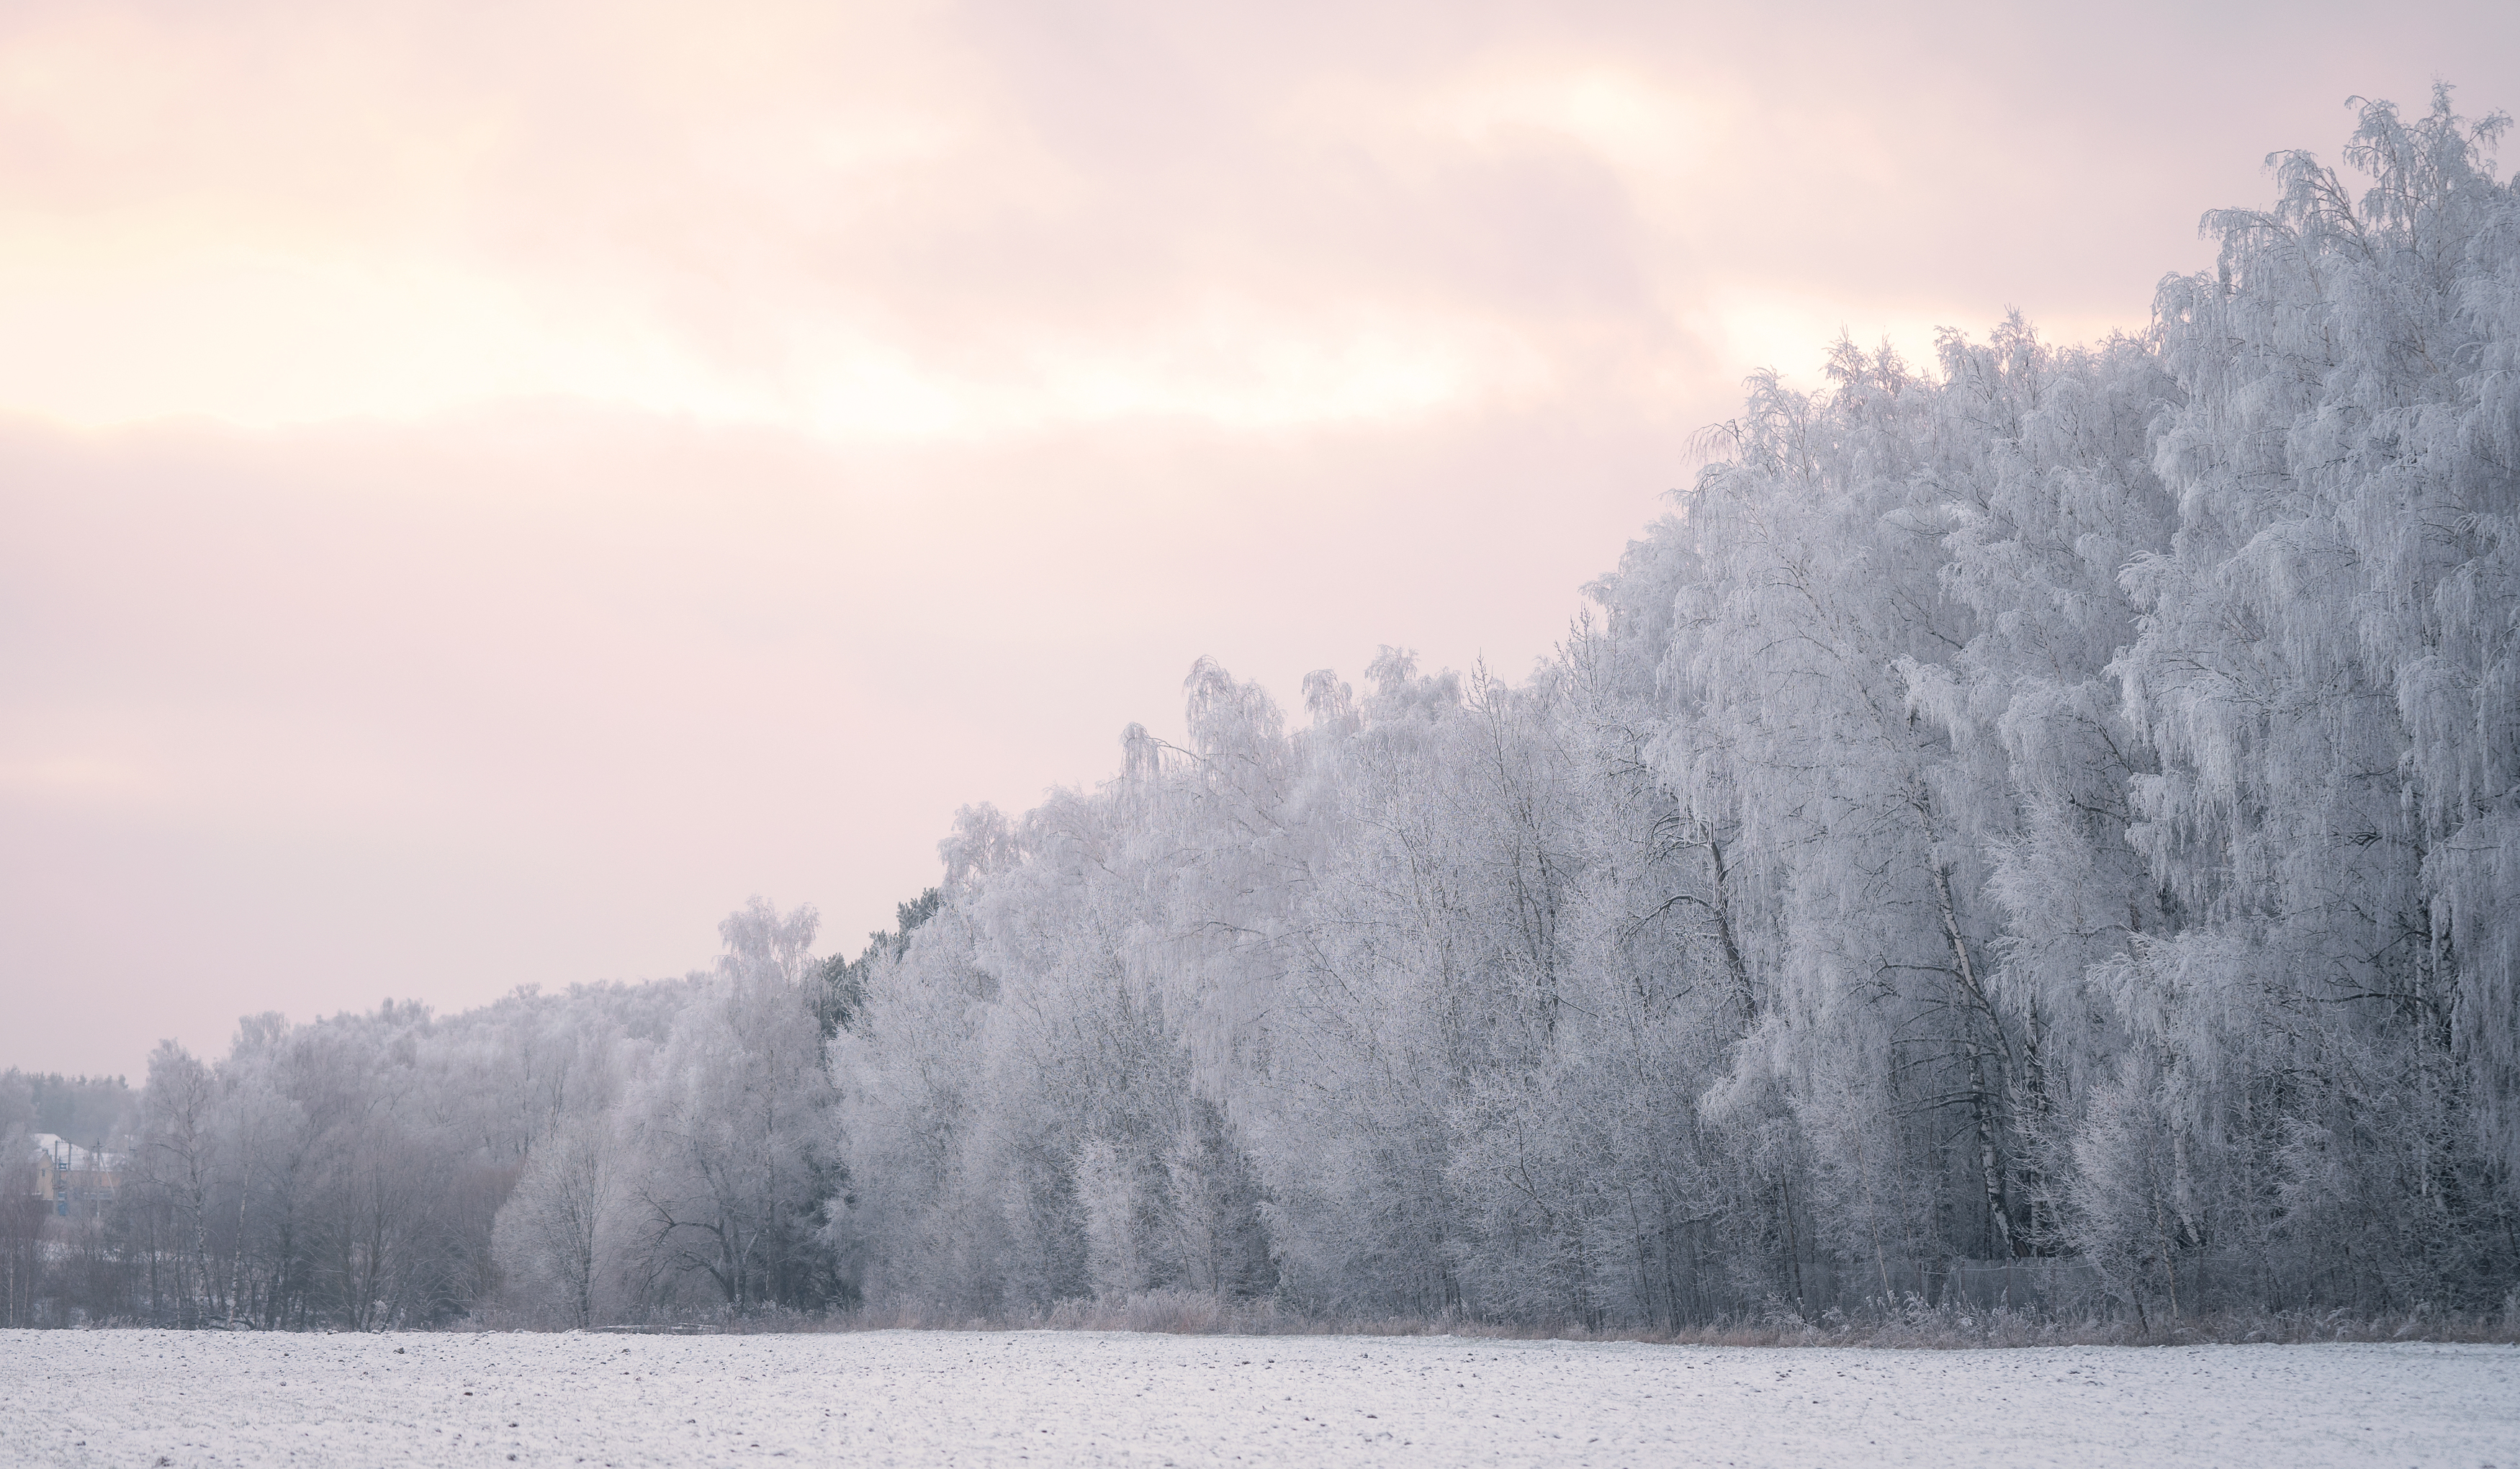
(551,1234)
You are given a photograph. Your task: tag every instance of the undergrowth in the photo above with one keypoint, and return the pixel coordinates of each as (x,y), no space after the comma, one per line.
(1908,1324)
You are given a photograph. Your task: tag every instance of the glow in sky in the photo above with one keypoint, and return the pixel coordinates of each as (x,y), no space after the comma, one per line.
(485,488)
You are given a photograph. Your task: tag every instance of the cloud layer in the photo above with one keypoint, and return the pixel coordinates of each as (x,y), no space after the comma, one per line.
(486,488)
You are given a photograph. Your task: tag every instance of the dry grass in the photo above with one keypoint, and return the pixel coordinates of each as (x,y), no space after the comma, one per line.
(1914,1326)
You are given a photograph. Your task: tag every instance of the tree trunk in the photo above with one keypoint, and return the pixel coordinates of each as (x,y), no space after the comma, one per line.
(1982,1098)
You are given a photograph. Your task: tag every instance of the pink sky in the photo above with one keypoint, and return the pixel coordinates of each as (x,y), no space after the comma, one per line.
(485,488)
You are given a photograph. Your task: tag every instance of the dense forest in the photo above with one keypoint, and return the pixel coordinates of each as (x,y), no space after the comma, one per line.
(2038,827)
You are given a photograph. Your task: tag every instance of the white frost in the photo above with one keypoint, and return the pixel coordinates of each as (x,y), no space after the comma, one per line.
(1008,1397)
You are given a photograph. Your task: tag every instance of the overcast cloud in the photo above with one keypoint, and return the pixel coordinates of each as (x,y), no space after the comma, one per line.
(485,488)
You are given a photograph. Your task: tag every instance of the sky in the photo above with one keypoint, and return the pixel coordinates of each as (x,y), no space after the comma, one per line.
(488,488)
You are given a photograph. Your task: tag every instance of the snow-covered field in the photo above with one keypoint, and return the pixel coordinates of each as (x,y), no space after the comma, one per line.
(146,1397)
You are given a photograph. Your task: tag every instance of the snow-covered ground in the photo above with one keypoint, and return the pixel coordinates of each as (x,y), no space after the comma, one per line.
(148,1398)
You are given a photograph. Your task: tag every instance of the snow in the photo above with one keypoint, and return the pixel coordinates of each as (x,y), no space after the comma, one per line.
(152,1397)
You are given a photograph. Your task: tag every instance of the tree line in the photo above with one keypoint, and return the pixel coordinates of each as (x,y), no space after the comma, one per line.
(2051,817)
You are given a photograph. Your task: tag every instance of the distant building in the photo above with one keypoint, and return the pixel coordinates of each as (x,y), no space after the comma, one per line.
(73,1179)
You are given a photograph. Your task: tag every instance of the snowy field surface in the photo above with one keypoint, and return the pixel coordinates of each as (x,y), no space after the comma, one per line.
(145,1397)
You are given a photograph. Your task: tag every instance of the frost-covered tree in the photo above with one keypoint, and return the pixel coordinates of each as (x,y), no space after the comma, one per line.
(2326,676)
(554,1232)
(729,1125)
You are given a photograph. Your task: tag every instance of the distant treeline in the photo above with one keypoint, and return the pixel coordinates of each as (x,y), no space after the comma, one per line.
(84,1110)
(2046,827)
